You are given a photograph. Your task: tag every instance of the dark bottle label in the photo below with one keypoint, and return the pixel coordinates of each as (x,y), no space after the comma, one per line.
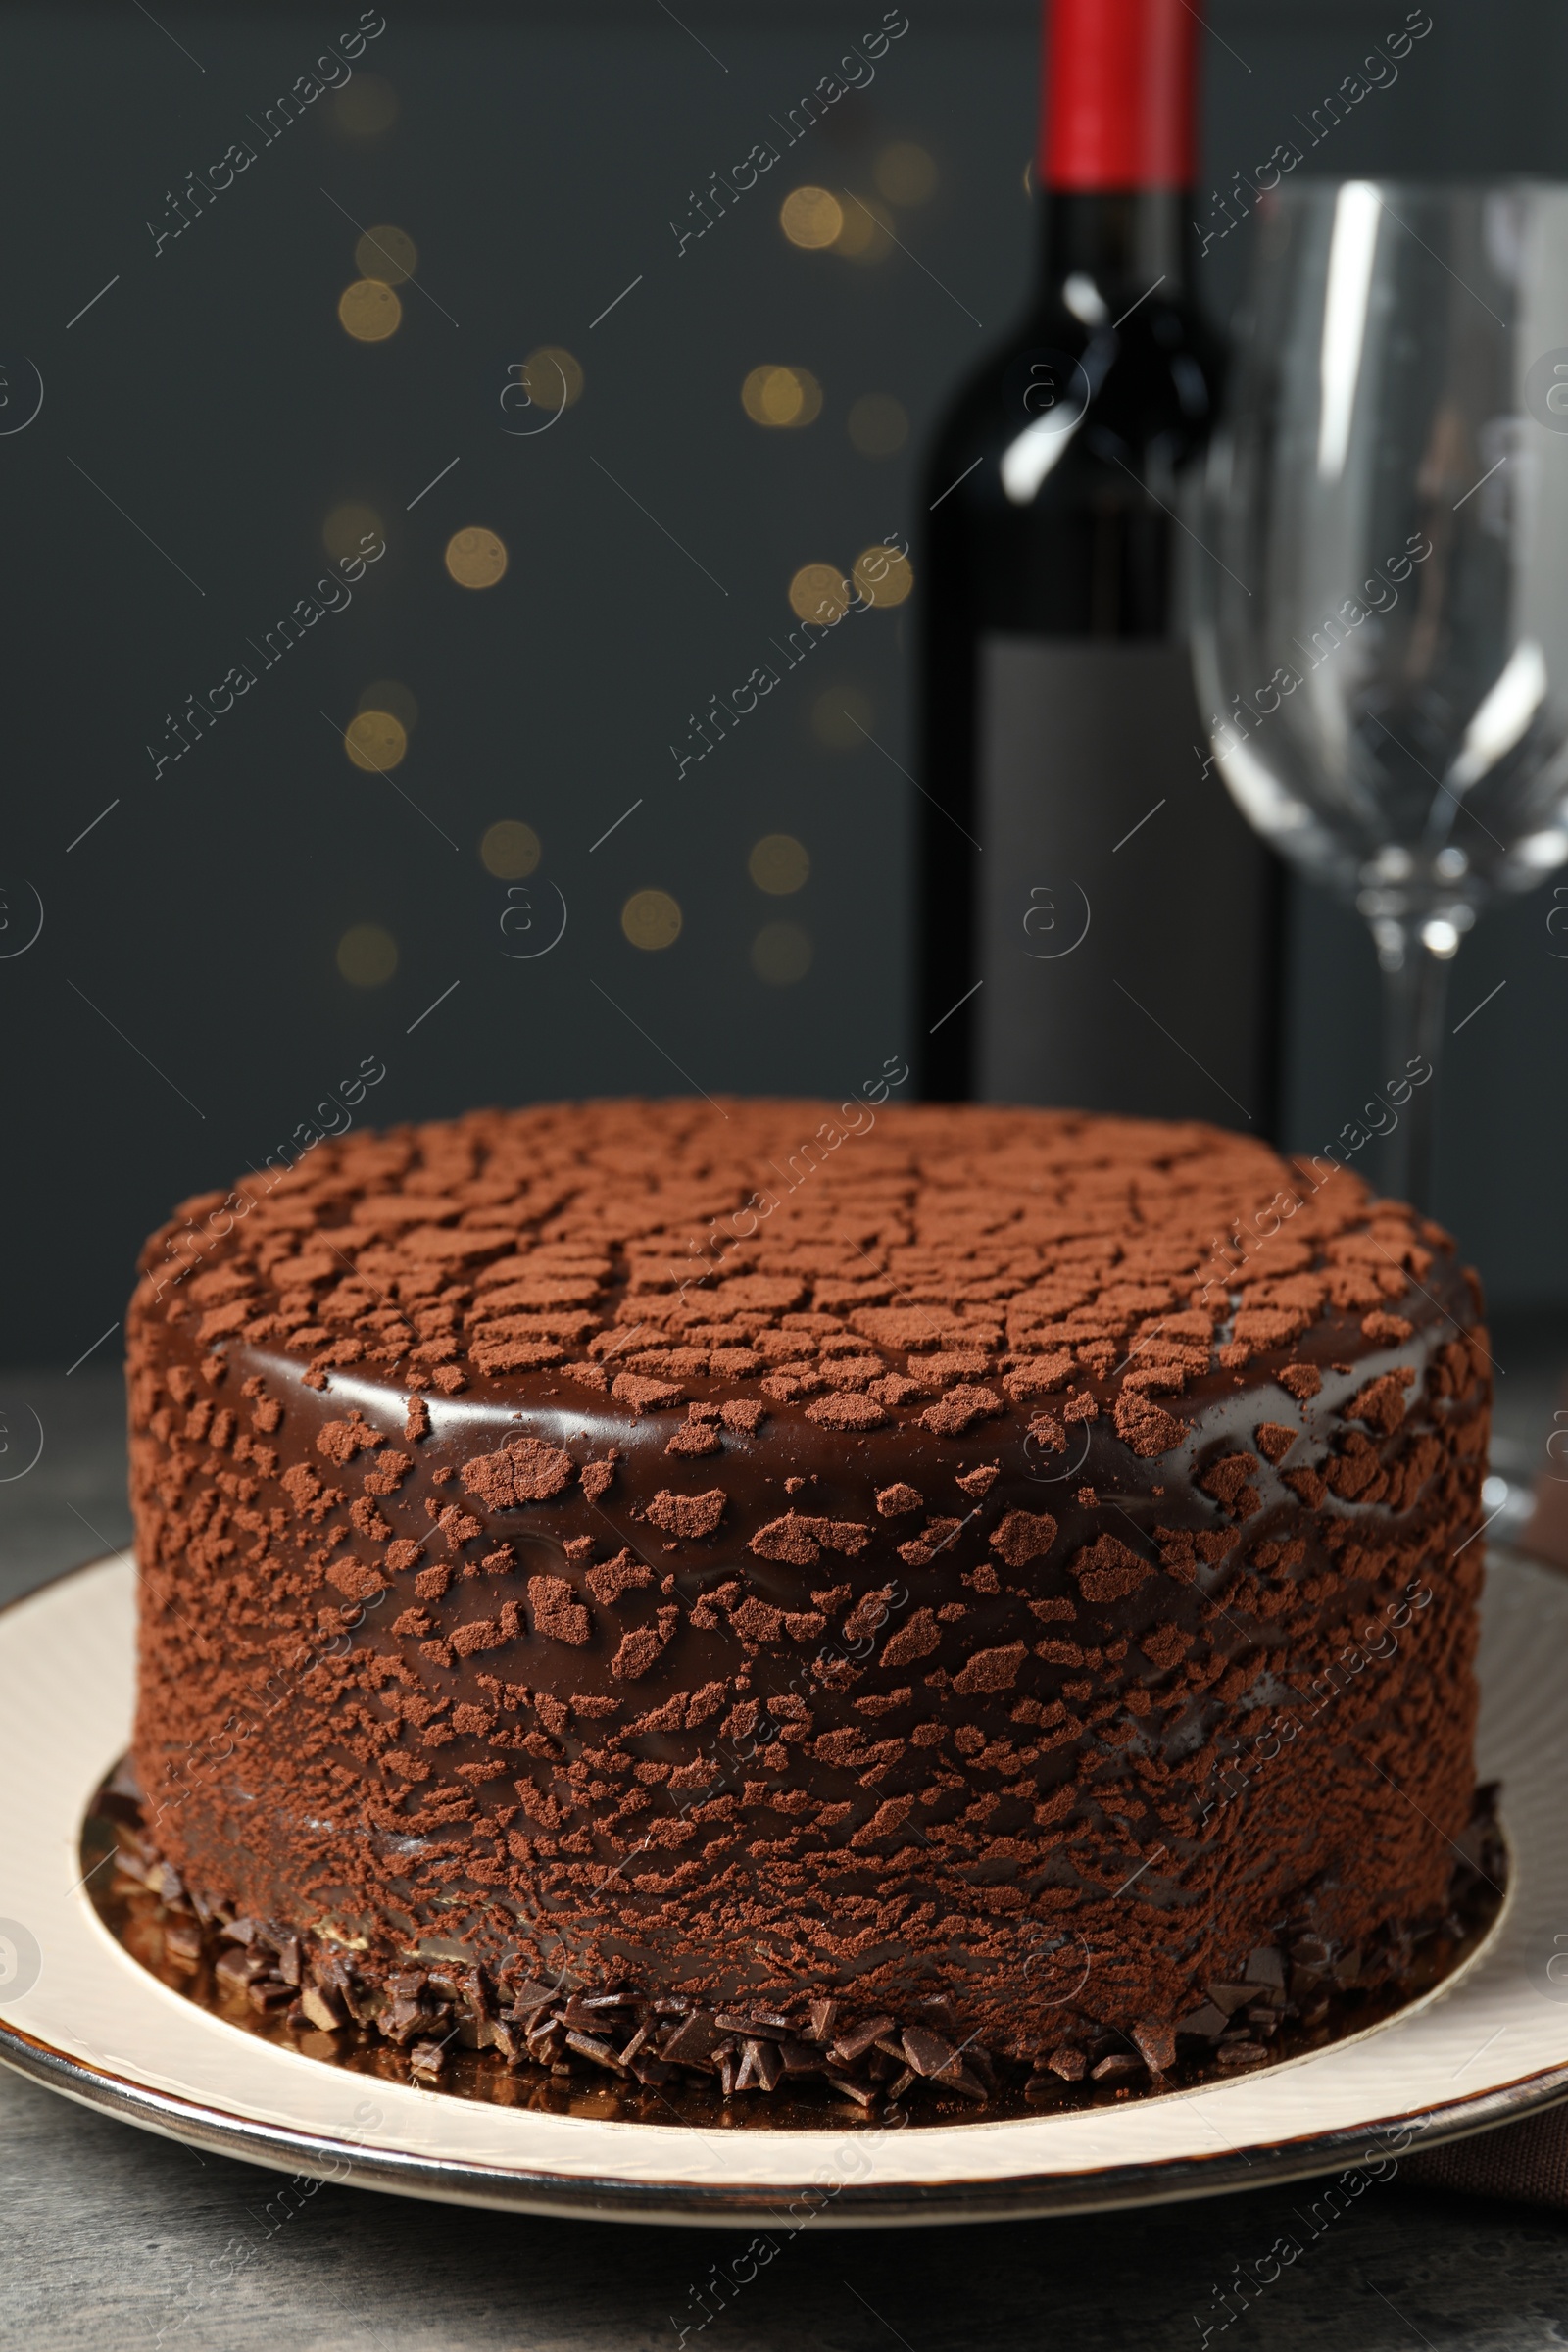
(1124,909)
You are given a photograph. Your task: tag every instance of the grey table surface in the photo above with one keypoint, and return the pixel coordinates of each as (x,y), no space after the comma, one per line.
(112,2236)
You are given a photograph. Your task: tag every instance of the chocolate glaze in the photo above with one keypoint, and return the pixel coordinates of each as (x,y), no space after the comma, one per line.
(1077,1737)
(643,2058)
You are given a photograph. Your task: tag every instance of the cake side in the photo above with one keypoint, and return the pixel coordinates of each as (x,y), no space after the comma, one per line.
(1003,1579)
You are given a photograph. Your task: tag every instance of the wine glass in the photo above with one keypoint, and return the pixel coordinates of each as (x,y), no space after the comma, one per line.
(1380,600)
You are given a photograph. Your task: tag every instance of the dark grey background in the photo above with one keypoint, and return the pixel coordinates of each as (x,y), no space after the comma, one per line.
(539,155)
(537,160)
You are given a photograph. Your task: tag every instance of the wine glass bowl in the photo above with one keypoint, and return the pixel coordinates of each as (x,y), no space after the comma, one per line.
(1380,603)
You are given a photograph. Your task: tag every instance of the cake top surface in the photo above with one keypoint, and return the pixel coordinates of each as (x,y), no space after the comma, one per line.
(892,1262)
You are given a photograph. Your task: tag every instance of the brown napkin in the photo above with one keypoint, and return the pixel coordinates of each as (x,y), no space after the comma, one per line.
(1527,2161)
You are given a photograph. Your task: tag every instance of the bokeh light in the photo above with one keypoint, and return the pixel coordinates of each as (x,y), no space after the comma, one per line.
(819,592)
(551,377)
(369,311)
(390,694)
(376,741)
(842,717)
(781,954)
(387,253)
(365,107)
(781,396)
(811,218)
(779,864)
(868,231)
(510,849)
(650,918)
(905,174)
(347,525)
(475,557)
(878,424)
(882,575)
(367,955)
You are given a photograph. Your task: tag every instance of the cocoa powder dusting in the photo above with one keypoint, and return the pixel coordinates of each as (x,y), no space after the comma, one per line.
(624,1566)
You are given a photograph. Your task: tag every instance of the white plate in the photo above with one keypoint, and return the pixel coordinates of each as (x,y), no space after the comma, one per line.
(1490,2044)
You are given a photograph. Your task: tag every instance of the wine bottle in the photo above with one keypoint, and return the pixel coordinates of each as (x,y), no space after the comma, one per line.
(1099,928)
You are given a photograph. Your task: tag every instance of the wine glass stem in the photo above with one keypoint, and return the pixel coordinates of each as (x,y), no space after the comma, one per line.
(1414,990)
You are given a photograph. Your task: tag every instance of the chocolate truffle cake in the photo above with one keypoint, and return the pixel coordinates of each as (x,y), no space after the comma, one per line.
(770,1586)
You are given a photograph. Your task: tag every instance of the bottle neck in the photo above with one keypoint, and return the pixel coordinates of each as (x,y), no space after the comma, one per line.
(1117,94)
(1119,238)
